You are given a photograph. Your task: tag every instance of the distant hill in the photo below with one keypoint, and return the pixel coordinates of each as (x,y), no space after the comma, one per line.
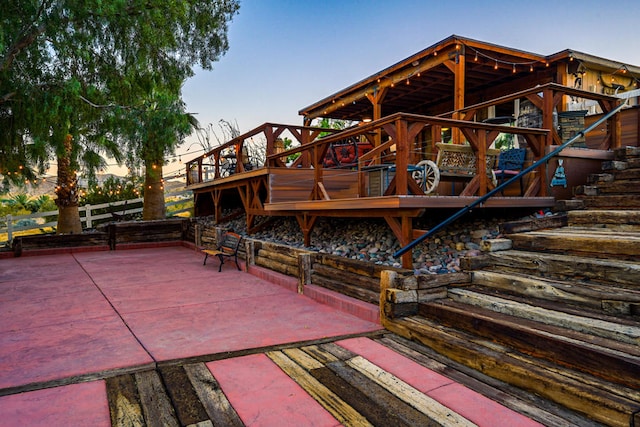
(48,186)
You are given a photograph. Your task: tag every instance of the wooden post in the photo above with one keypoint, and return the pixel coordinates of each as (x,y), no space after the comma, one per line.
(197,231)
(481,162)
(250,253)
(305,262)
(458,90)
(402,157)
(87,215)
(407,235)
(9,228)
(387,280)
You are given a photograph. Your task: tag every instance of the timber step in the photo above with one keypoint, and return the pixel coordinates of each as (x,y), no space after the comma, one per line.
(600,201)
(608,359)
(603,401)
(581,295)
(622,273)
(600,326)
(605,218)
(596,242)
(618,186)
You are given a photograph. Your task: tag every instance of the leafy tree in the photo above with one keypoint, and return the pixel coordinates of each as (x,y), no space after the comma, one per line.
(71,71)
(113,189)
(326,123)
(155,132)
(21,203)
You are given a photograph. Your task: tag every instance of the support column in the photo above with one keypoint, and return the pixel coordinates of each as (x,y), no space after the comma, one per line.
(458,90)
(376,99)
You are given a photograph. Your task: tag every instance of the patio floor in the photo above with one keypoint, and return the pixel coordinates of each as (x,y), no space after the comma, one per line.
(70,323)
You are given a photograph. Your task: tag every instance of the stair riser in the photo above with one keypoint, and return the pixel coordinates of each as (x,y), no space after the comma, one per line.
(543,346)
(502,366)
(604,217)
(610,300)
(595,246)
(563,267)
(611,202)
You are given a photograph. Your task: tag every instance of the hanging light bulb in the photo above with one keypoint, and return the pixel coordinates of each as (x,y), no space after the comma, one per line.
(408,82)
(531,68)
(495,67)
(475,59)
(514,69)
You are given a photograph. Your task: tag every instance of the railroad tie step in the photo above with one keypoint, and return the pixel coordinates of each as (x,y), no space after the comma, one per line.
(592,397)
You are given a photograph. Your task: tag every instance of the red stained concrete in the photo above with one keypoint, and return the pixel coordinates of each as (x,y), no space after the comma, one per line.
(83,404)
(83,313)
(466,402)
(263,395)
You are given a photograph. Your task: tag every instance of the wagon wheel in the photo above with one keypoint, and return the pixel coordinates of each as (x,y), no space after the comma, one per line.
(428,177)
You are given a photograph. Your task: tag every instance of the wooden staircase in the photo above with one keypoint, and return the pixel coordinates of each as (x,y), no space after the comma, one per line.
(558,314)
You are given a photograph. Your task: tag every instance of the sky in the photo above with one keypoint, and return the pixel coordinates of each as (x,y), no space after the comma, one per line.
(285,55)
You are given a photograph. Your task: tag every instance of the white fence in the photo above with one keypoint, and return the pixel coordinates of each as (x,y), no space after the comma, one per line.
(10,224)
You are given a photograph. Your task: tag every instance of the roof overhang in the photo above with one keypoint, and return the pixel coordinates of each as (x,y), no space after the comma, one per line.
(424,82)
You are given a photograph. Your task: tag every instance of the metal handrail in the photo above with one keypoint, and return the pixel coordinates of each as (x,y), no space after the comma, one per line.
(505,184)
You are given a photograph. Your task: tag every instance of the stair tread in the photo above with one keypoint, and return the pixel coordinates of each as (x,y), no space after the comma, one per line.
(577,391)
(578,287)
(583,231)
(542,410)
(618,346)
(624,273)
(572,353)
(605,328)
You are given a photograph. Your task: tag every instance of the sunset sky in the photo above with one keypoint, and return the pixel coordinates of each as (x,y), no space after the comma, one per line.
(287,54)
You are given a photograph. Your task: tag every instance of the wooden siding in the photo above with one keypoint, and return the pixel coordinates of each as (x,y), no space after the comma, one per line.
(286,185)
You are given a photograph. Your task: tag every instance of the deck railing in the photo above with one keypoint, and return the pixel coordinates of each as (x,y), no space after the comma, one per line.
(250,151)
(548,102)
(402,140)
(400,151)
(608,116)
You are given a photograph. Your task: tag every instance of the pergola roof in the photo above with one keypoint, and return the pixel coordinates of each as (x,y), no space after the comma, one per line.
(424,82)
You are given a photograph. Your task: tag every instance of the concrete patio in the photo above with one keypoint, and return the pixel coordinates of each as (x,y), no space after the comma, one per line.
(70,321)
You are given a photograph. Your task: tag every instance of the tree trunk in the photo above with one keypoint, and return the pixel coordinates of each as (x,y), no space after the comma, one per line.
(67,194)
(153,193)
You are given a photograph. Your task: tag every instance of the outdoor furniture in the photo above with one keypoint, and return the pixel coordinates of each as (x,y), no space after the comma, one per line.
(228,248)
(510,163)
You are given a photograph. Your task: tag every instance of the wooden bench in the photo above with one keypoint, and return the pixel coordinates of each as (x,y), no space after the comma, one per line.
(227,248)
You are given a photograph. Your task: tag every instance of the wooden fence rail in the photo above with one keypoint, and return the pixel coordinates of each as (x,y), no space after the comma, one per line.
(90,215)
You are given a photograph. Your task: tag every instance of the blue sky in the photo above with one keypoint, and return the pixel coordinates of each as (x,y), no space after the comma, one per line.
(287,54)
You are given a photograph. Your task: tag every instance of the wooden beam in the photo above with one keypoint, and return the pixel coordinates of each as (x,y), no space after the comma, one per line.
(306,223)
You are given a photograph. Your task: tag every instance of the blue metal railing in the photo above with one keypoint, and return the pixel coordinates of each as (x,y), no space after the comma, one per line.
(505,184)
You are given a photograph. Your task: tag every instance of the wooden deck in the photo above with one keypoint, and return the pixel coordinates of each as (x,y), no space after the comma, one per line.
(378,206)
(305,181)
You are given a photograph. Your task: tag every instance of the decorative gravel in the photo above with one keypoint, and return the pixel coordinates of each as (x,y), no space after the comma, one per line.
(371,240)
